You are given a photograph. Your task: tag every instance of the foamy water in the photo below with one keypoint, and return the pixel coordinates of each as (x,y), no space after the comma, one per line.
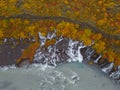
(71,76)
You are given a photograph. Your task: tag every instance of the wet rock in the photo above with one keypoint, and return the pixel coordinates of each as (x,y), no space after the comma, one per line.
(103,62)
(116,75)
(9,55)
(108,68)
(97,58)
(52,54)
(64,50)
(87,53)
(51,35)
(42,39)
(62,44)
(25,62)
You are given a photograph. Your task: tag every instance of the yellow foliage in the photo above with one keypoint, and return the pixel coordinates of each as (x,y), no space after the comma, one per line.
(12,21)
(67,29)
(66,2)
(16,21)
(99,46)
(117,60)
(30,29)
(22,35)
(86,39)
(61,25)
(50,42)
(4,23)
(3,4)
(102,13)
(29,52)
(110,55)
(110,4)
(102,21)
(87,42)
(87,32)
(1,34)
(43,33)
(26,22)
(117,31)
(12,1)
(100,2)
(74,34)
(97,36)
(26,5)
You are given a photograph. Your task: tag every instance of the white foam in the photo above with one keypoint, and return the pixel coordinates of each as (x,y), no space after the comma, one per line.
(96,61)
(51,35)
(65,77)
(75,55)
(5,68)
(5,40)
(116,74)
(42,39)
(108,69)
(74,78)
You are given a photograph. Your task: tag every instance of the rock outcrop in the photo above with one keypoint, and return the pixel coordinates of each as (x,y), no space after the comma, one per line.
(66,50)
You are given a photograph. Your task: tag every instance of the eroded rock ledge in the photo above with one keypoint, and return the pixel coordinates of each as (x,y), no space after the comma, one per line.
(65,50)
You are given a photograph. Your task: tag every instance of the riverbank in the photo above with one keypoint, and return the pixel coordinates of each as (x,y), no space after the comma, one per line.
(9,55)
(64,50)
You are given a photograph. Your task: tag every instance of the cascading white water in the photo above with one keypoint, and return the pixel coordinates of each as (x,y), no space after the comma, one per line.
(67,50)
(64,50)
(71,76)
(116,74)
(73,53)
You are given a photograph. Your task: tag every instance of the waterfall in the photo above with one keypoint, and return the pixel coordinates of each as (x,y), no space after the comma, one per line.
(64,50)
(67,50)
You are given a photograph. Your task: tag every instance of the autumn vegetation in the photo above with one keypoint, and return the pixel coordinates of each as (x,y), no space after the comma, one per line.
(91,21)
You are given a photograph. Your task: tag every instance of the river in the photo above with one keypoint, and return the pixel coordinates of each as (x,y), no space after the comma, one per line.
(70,76)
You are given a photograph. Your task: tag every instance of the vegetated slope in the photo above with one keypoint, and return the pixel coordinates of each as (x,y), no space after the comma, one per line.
(86,20)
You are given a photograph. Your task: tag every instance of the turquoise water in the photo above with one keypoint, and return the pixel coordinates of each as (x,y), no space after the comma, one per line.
(71,76)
